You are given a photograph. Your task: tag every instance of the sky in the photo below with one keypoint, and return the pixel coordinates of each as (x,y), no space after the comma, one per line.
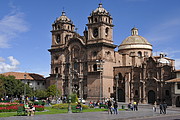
(25,27)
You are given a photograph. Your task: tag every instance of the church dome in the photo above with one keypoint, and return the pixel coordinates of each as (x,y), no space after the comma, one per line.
(63,18)
(100,11)
(135,41)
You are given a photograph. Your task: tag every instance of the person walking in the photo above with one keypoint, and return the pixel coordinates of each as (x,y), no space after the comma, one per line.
(164,107)
(109,107)
(115,107)
(155,106)
(135,106)
(161,108)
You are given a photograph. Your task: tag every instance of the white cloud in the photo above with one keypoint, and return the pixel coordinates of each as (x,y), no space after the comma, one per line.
(5,67)
(11,25)
(165,31)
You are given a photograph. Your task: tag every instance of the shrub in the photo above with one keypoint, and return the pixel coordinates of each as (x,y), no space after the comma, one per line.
(13,107)
(74,98)
(8,104)
(39,107)
(40,102)
(65,106)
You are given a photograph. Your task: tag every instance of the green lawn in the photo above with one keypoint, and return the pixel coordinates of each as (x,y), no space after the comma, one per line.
(50,110)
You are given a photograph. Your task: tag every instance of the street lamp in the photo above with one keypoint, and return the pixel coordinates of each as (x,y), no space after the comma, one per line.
(24,88)
(80,85)
(100,68)
(117,78)
(56,88)
(69,86)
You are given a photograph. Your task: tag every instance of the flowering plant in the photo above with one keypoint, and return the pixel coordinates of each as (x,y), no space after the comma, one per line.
(13,107)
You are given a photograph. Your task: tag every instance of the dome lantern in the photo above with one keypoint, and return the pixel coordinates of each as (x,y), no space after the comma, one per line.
(134,31)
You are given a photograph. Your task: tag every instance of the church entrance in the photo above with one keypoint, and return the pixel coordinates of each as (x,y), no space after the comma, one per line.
(178,101)
(151,97)
(121,95)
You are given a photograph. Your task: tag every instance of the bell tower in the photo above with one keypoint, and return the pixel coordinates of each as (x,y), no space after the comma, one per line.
(62,30)
(100,54)
(100,26)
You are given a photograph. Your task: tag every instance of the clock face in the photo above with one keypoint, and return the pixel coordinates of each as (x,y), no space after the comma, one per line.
(58,39)
(95,32)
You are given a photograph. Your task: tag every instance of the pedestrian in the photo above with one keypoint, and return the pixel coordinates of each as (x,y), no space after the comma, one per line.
(109,107)
(115,107)
(154,106)
(164,107)
(79,106)
(161,108)
(135,106)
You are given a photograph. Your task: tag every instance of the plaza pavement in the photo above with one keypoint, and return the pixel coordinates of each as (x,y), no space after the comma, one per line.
(144,112)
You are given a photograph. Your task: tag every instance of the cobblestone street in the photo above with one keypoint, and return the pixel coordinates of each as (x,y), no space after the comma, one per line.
(143,113)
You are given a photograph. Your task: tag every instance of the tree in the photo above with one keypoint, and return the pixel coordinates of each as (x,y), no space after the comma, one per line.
(52,91)
(2,90)
(14,87)
(41,93)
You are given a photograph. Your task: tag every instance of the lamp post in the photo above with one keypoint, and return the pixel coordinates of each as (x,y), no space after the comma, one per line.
(80,85)
(24,88)
(117,78)
(56,88)
(100,68)
(70,89)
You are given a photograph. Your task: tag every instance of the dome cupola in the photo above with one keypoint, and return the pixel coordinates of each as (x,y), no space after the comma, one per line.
(100,11)
(135,42)
(63,18)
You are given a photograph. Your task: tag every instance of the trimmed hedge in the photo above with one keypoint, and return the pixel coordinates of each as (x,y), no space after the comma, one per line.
(65,106)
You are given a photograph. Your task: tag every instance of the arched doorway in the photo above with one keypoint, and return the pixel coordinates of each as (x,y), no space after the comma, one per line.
(151,97)
(121,95)
(178,101)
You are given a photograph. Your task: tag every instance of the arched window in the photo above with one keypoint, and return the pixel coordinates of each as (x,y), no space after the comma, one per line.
(95,20)
(95,67)
(167,93)
(76,66)
(56,70)
(106,20)
(56,57)
(107,31)
(66,38)
(136,92)
(94,53)
(139,54)
(59,27)
(58,38)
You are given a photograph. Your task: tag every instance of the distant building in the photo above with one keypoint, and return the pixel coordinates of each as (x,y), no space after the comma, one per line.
(175,88)
(34,81)
(89,65)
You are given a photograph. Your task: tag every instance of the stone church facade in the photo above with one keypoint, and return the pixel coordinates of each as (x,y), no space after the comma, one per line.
(89,65)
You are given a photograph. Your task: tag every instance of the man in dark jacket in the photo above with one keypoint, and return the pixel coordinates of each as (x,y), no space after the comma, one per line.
(109,107)
(161,107)
(115,107)
(164,107)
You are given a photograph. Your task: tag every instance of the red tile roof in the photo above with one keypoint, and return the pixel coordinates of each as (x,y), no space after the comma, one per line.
(174,80)
(29,76)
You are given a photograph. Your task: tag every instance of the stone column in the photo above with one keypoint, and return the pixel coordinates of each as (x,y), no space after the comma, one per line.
(140,96)
(127,88)
(144,93)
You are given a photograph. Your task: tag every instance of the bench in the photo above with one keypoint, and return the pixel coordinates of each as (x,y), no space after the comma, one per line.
(21,111)
(103,106)
(75,109)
